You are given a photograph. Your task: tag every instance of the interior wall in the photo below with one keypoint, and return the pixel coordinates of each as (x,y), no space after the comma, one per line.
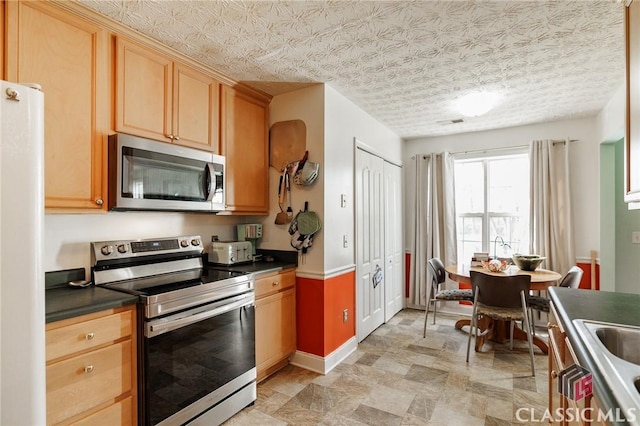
(608,206)
(584,168)
(627,254)
(67,238)
(344,121)
(307,105)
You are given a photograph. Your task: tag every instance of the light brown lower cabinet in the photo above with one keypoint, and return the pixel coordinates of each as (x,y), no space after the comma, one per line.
(91,369)
(562,410)
(275,321)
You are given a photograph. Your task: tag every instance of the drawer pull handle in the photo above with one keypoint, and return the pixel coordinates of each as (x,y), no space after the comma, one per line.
(88,369)
(90,336)
(554,374)
(275,283)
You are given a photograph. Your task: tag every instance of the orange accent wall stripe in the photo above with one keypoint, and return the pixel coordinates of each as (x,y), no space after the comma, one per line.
(320,306)
(585,282)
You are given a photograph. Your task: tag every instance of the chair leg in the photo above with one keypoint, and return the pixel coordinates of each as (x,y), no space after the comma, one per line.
(435,310)
(532,321)
(474,323)
(526,319)
(511,335)
(426,318)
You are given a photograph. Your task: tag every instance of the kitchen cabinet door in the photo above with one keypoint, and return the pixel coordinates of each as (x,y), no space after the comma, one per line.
(561,356)
(632,137)
(196,106)
(244,143)
(275,321)
(275,331)
(161,99)
(68,56)
(91,368)
(144,80)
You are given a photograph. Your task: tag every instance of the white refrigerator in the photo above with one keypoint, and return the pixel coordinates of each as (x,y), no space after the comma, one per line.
(22,318)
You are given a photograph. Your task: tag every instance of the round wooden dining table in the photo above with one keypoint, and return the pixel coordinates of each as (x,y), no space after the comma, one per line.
(497,331)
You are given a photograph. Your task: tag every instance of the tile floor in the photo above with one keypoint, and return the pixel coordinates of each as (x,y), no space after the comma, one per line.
(397,377)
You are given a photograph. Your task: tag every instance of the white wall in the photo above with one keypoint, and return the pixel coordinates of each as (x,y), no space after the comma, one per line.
(332,123)
(611,119)
(584,167)
(307,105)
(67,237)
(344,121)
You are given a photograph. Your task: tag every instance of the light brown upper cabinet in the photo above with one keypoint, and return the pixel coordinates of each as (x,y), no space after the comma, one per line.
(68,56)
(159,98)
(244,143)
(632,137)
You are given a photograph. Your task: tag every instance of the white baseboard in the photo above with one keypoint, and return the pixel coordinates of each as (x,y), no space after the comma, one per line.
(324,365)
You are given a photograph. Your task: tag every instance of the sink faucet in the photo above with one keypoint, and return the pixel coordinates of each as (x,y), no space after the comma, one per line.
(495,245)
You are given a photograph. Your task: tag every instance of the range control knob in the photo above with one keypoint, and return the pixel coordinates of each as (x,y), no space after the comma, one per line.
(106,250)
(122,248)
(184,243)
(195,242)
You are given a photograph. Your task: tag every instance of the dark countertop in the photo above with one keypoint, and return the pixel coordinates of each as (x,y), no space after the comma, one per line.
(68,302)
(63,301)
(602,306)
(259,268)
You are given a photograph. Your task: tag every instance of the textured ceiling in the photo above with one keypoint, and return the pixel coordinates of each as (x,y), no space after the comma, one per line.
(405,62)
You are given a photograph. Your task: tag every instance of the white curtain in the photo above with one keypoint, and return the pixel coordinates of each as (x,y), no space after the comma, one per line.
(435,221)
(551,215)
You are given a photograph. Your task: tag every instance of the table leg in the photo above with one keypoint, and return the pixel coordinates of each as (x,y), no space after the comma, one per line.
(486,327)
(498,331)
(519,334)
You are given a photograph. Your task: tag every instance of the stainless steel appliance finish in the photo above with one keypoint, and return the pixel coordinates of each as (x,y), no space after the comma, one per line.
(197,345)
(150,175)
(230,252)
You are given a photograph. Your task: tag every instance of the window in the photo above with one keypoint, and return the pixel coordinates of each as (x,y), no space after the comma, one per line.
(492,200)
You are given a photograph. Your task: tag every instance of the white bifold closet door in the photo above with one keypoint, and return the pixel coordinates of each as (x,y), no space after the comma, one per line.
(379,293)
(393,245)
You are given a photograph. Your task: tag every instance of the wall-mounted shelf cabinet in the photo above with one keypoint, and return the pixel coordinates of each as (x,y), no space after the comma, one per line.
(160,98)
(244,143)
(69,57)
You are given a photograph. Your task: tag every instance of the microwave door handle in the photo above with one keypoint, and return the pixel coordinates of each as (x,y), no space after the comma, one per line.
(209,181)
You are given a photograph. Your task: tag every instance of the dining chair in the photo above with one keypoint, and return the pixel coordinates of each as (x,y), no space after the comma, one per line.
(570,280)
(439,276)
(502,298)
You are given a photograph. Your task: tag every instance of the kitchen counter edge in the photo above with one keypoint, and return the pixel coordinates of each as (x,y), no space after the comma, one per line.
(67,302)
(592,305)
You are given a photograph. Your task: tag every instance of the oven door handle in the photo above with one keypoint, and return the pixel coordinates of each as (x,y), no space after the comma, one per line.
(153,329)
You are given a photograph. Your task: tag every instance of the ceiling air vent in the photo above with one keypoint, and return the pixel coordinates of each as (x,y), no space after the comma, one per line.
(454,121)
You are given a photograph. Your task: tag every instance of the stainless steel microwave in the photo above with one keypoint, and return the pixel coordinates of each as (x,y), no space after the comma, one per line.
(149,175)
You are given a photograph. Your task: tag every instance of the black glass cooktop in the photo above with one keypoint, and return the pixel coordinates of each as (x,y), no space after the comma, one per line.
(166,283)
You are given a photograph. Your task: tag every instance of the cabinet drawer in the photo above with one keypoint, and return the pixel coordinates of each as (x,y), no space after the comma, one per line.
(120,413)
(275,283)
(86,335)
(80,383)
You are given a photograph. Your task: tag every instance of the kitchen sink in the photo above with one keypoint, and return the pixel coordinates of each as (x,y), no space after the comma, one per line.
(615,351)
(621,341)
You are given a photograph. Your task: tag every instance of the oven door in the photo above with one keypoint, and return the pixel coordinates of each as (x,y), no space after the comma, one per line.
(199,365)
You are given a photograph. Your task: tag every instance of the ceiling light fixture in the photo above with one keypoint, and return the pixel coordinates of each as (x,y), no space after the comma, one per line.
(475,104)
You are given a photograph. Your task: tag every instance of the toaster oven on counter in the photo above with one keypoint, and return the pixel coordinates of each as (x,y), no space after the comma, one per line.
(230,252)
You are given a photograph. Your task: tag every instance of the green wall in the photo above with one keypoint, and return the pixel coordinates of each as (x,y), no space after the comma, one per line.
(627,255)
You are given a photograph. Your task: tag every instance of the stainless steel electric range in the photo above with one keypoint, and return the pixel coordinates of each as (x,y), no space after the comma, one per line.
(197,329)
